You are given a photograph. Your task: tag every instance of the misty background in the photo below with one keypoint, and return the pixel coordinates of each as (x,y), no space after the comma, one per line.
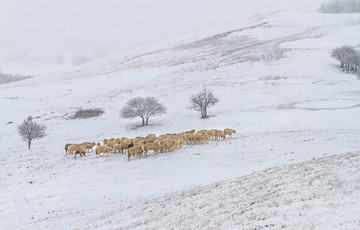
(39,36)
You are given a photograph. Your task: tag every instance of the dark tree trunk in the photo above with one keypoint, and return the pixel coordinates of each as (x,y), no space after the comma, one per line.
(147,121)
(143,121)
(29,143)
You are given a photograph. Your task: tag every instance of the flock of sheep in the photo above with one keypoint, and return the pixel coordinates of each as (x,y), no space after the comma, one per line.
(140,146)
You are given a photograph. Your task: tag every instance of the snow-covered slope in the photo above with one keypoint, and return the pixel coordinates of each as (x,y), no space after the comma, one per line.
(277,85)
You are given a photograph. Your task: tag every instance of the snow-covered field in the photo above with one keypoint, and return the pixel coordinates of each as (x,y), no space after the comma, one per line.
(294,162)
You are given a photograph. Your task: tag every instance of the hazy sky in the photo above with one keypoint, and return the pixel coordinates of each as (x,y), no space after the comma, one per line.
(33,29)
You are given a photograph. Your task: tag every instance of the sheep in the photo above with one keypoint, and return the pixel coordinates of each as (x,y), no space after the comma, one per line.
(127,141)
(136,150)
(110,144)
(229,132)
(190,132)
(66,148)
(211,134)
(119,147)
(196,138)
(103,149)
(71,149)
(127,144)
(139,141)
(151,146)
(179,141)
(117,141)
(168,144)
(92,146)
(218,134)
(123,138)
(150,139)
(188,138)
(79,150)
(88,146)
(151,135)
(162,143)
(204,138)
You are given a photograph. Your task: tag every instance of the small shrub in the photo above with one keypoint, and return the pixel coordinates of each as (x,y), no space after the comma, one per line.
(87,113)
(79,59)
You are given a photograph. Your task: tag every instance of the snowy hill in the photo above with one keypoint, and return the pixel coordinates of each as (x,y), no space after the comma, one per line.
(293,109)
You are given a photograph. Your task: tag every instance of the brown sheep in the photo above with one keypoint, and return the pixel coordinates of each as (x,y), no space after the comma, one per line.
(71,149)
(127,144)
(204,138)
(103,149)
(151,146)
(79,150)
(190,132)
(119,147)
(110,144)
(117,140)
(105,141)
(168,144)
(128,141)
(196,138)
(88,146)
(136,150)
(150,139)
(123,138)
(211,134)
(151,135)
(229,132)
(219,134)
(139,141)
(66,148)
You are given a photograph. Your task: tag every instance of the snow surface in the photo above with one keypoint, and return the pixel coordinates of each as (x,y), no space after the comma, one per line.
(294,162)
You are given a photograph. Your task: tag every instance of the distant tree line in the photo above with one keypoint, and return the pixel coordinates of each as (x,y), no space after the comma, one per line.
(349,59)
(340,6)
(6,78)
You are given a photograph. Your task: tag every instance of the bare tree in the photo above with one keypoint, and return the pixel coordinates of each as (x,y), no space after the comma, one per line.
(30,130)
(142,107)
(202,101)
(340,6)
(349,58)
(340,52)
